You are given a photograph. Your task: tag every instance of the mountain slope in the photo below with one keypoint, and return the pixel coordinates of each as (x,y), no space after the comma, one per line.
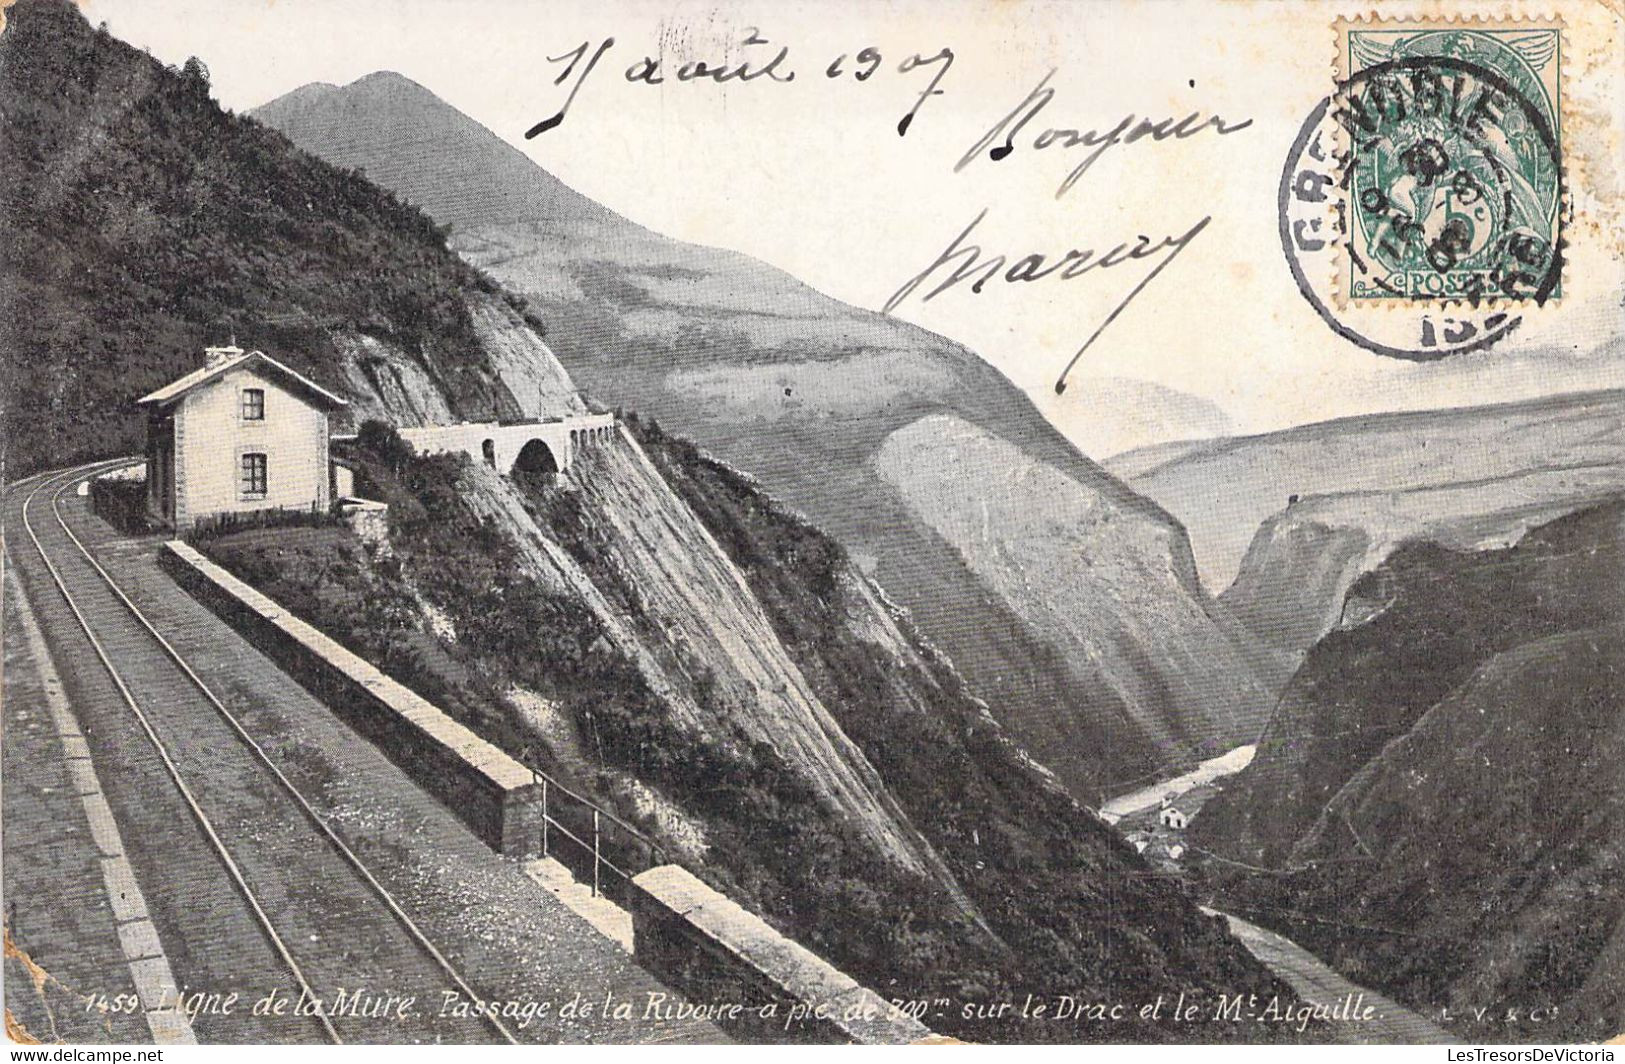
(132,117)
(1224,490)
(1425,620)
(803,392)
(622,692)
(1302,562)
(1282,524)
(434,148)
(1440,788)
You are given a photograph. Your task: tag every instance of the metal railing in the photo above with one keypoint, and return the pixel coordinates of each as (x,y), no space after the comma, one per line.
(615,846)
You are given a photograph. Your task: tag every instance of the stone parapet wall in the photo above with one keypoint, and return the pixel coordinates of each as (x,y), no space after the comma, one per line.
(711,948)
(687,934)
(492,793)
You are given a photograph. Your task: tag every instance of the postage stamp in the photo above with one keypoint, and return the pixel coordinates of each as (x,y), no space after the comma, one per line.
(1422,203)
(1454,145)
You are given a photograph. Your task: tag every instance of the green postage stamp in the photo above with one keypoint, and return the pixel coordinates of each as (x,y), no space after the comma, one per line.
(1453,156)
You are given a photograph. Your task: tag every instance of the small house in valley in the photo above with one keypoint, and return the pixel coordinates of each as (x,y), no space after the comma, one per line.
(1171,817)
(241,433)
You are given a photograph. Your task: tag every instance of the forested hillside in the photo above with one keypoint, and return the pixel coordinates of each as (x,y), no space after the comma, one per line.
(1437,801)
(142,223)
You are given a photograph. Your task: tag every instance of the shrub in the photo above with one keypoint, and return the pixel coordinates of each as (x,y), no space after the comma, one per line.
(121,502)
(278,517)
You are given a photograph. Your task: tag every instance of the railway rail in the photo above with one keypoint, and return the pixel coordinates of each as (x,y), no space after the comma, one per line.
(316,973)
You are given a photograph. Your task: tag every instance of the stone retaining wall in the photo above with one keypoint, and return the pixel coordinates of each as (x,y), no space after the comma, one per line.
(492,793)
(713,949)
(690,936)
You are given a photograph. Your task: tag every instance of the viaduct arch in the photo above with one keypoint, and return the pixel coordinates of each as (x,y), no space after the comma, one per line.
(526,445)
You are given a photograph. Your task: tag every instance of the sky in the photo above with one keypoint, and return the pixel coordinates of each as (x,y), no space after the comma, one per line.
(812,176)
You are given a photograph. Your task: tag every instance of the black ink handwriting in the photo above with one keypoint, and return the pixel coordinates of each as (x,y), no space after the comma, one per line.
(574,55)
(1124,132)
(963,261)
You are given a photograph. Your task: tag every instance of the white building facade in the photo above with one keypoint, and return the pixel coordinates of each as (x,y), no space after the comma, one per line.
(243,433)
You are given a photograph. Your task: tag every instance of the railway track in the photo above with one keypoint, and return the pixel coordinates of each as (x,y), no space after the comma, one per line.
(328,922)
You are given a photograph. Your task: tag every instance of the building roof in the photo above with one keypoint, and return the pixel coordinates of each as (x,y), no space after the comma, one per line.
(178,389)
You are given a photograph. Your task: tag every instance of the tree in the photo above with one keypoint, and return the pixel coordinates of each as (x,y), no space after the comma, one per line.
(196,75)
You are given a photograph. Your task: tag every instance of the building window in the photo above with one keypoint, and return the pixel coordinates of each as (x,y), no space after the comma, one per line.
(253,404)
(254,482)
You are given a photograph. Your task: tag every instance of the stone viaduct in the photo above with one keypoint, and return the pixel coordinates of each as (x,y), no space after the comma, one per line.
(545,446)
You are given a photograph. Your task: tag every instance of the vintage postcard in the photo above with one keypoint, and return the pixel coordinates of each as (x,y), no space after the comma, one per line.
(813,521)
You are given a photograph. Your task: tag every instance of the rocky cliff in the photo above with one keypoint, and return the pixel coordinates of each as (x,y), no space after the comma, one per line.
(670,601)
(1284,523)
(1162,668)
(802,392)
(1297,572)
(1438,794)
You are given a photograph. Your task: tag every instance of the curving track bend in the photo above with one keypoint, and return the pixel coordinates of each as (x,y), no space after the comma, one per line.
(268,869)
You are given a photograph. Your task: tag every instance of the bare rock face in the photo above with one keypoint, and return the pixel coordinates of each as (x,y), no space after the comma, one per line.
(697,635)
(1102,583)
(1295,578)
(385,384)
(511,374)
(1292,583)
(800,391)
(522,361)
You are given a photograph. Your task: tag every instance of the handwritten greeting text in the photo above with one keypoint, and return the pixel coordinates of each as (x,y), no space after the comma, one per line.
(961,265)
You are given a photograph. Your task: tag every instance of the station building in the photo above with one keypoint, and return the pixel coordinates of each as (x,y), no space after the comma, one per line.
(242,433)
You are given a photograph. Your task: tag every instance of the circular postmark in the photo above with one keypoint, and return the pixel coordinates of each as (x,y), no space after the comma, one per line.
(1420,206)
